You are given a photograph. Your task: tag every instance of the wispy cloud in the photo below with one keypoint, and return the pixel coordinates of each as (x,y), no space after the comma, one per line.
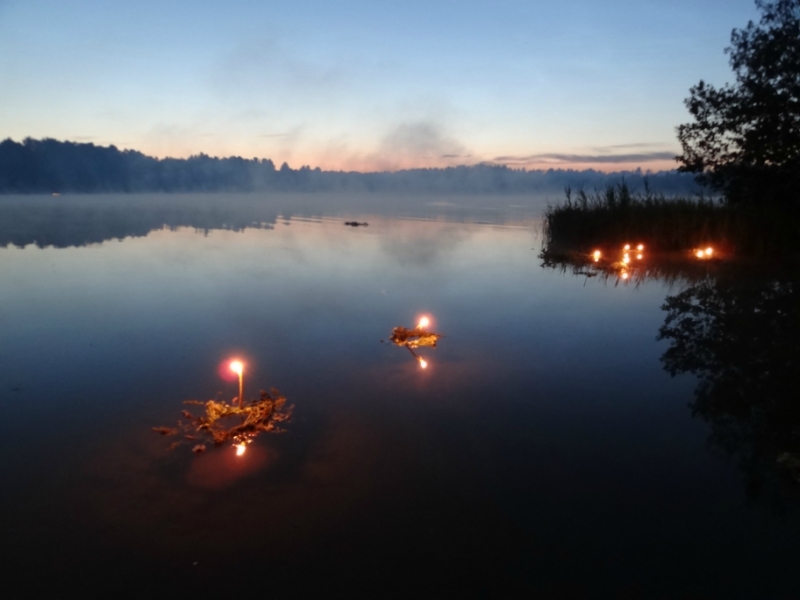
(567,159)
(408,145)
(615,147)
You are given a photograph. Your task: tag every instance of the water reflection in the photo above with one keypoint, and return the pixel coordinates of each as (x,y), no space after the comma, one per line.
(737,328)
(741,337)
(79,220)
(544,438)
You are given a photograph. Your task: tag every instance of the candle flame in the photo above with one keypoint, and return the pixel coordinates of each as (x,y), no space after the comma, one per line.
(627,247)
(424,322)
(624,275)
(639,256)
(596,255)
(237,367)
(240,448)
(640,247)
(709,251)
(626,259)
(700,254)
(423,363)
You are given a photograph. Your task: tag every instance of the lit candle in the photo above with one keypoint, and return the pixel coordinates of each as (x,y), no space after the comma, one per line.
(709,251)
(700,254)
(240,448)
(423,363)
(627,247)
(640,247)
(423,323)
(238,368)
(596,255)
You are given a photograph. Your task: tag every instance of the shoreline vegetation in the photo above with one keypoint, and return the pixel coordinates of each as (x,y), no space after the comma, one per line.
(668,225)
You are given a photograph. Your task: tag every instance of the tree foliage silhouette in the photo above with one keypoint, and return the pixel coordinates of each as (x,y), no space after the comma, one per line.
(745,138)
(741,337)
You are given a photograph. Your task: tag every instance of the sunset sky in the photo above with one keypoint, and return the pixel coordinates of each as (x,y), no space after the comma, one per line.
(366,84)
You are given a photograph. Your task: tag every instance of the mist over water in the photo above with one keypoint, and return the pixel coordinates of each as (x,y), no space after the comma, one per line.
(544,450)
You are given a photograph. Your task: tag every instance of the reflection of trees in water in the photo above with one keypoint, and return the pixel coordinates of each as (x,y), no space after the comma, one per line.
(60,224)
(741,336)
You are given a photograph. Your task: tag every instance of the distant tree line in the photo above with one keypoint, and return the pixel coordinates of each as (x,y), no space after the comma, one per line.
(49,166)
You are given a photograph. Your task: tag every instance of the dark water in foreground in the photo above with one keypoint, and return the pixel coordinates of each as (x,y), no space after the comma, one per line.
(545,452)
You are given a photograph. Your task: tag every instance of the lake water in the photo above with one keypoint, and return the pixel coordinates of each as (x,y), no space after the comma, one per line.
(544,452)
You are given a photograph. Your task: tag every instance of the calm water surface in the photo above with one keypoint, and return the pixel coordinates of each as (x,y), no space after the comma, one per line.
(545,452)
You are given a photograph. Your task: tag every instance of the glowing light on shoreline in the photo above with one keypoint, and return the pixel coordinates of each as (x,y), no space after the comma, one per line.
(423,323)
(596,255)
(423,363)
(240,449)
(624,275)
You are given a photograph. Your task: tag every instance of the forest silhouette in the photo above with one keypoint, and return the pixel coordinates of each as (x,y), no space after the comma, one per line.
(52,166)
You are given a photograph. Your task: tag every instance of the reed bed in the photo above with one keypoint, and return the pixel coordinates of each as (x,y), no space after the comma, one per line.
(616,216)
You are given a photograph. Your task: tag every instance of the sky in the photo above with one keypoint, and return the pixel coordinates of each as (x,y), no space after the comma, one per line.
(366,84)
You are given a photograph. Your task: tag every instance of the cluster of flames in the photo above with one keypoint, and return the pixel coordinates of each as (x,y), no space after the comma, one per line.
(704,254)
(628,255)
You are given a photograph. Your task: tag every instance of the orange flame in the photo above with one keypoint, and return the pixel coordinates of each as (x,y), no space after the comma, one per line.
(240,449)
(424,322)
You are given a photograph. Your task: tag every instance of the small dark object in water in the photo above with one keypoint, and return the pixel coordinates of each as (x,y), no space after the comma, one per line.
(356,224)
(15,389)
